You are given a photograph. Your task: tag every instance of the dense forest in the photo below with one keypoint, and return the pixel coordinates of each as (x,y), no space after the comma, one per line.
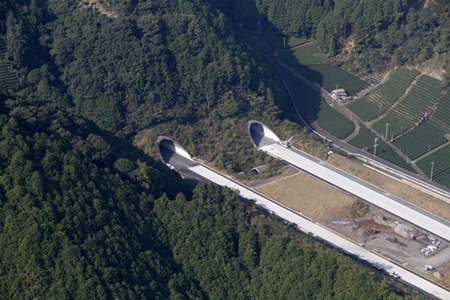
(170,69)
(85,214)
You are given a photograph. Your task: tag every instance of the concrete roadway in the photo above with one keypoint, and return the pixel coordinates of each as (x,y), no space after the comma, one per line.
(361,189)
(362,253)
(298,104)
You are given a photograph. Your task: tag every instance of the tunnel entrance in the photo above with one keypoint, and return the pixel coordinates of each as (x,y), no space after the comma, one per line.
(166,150)
(173,154)
(260,134)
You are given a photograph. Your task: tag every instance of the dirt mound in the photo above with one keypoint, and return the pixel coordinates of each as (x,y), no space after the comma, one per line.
(404,230)
(372,223)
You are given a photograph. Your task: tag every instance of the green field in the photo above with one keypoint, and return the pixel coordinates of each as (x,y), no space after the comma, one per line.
(304,55)
(324,115)
(366,139)
(328,76)
(384,96)
(9,78)
(423,95)
(441,167)
(277,41)
(420,140)
(306,61)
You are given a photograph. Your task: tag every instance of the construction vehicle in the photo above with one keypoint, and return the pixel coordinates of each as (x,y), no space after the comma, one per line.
(285,143)
(371,230)
(413,236)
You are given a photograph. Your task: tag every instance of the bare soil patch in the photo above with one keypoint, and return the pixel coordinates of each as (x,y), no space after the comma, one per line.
(395,187)
(101,6)
(313,198)
(440,275)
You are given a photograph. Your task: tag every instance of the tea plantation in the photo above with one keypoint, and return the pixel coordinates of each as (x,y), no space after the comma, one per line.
(366,140)
(420,140)
(420,99)
(384,96)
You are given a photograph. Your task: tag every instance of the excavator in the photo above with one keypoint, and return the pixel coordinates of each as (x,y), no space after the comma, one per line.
(371,230)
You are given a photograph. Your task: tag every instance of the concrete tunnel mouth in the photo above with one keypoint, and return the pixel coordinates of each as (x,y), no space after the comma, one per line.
(258,131)
(168,147)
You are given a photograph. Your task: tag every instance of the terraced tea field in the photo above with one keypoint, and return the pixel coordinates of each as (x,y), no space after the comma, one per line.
(3,46)
(365,140)
(384,96)
(324,115)
(441,116)
(441,167)
(420,140)
(9,78)
(374,78)
(420,99)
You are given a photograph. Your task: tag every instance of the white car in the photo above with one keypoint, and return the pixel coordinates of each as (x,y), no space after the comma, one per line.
(427,268)
(285,143)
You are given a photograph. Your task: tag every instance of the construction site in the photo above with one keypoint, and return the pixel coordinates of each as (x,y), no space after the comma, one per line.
(366,224)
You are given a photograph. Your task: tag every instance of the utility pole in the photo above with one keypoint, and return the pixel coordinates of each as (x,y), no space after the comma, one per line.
(401,130)
(387,125)
(375,147)
(284,44)
(379,111)
(429,149)
(431,176)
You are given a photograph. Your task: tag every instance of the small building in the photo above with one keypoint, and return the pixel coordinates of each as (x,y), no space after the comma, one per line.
(339,93)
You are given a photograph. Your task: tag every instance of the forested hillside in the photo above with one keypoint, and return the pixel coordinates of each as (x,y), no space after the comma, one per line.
(84,214)
(365,35)
(170,69)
